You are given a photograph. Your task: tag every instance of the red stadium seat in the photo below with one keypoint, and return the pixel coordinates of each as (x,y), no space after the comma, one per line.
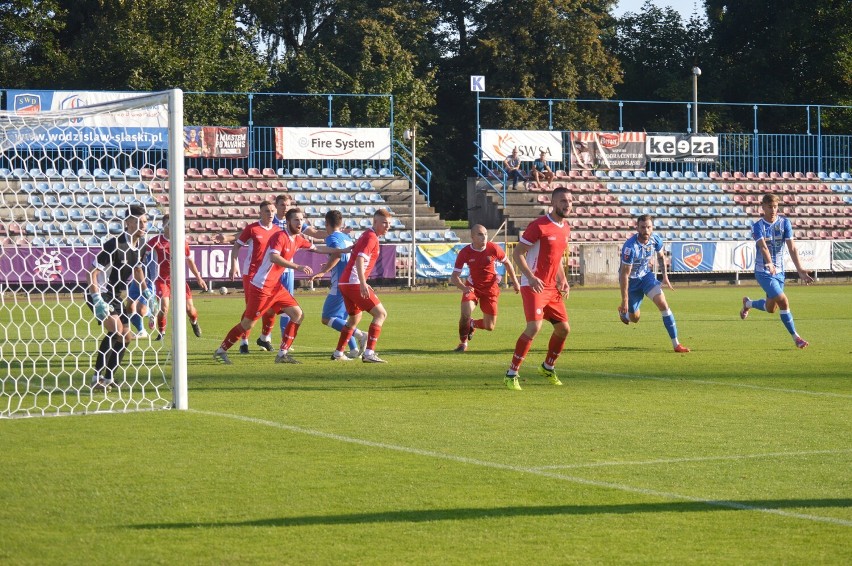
(263,186)
(269,173)
(146,173)
(239,173)
(254,173)
(193,173)
(247,186)
(163,173)
(224,173)
(208,173)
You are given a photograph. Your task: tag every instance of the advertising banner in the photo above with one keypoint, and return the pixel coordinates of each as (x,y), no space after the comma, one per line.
(132,128)
(617,151)
(70,266)
(842,256)
(705,257)
(497,144)
(436,261)
(215,141)
(332,143)
(682,148)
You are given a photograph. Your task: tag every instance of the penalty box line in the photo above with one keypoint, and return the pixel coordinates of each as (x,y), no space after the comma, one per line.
(733,505)
(732,457)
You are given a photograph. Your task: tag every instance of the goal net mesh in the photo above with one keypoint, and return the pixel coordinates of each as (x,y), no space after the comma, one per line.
(67,180)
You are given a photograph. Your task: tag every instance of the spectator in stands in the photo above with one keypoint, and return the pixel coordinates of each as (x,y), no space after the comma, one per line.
(637,279)
(512,164)
(772,233)
(541,170)
(539,256)
(118,262)
(483,284)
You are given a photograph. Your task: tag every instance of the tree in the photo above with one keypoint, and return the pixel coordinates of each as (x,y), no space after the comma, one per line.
(28,46)
(157,44)
(783,51)
(657,50)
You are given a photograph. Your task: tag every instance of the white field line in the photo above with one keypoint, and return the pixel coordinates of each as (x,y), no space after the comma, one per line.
(697,459)
(527,470)
(723,384)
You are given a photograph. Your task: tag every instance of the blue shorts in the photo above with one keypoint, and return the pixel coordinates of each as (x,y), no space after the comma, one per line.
(773,285)
(288,279)
(333,307)
(134,293)
(638,288)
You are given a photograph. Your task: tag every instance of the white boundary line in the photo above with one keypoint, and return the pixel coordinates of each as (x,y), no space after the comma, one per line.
(723,384)
(697,459)
(527,470)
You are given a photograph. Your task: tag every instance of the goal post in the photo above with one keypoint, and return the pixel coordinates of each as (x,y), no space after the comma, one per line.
(72,177)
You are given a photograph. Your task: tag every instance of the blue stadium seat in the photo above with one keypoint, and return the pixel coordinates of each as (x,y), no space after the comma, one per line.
(385,172)
(313,172)
(326,172)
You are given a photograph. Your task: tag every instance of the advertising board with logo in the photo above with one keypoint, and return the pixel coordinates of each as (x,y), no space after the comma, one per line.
(332,143)
(129,129)
(682,148)
(617,151)
(705,257)
(497,144)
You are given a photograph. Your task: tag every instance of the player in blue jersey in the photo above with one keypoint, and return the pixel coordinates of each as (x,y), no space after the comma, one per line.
(772,233)
(637,279)
(334,313)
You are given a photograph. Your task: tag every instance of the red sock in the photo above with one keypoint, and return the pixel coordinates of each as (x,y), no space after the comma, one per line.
(373,336)
(232,337)
(522,348)
(479,323)
(267,322)
(554,348)
(345,335)
(464,329)
(289,335)
(161,323)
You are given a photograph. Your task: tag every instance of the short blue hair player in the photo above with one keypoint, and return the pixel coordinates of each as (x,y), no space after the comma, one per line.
(637,279)
(772,233)
(334,313)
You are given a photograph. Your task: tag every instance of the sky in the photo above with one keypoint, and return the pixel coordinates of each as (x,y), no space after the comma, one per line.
(685,7)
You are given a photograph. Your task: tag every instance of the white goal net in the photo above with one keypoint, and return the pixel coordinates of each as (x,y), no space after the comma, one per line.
(74,318)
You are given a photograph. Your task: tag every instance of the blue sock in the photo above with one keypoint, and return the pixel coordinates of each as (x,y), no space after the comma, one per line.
(669,323)
(136,321)
(759,305)
(787,319)
(338,324)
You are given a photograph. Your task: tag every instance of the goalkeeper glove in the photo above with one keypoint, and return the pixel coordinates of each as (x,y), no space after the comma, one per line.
(100,307)
(148,295)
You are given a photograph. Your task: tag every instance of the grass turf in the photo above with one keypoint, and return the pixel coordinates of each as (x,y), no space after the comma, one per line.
(738,452)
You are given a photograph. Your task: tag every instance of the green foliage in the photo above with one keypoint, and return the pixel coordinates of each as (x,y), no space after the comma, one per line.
(735,453)
(28,43)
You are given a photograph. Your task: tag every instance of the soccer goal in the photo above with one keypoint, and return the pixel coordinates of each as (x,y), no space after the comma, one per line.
(68,179)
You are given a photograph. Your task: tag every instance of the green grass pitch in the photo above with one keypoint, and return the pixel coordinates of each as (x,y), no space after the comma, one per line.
(739,452)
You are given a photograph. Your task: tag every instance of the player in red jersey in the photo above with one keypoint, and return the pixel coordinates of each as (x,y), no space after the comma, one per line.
(543,285)
(266,296)
(483,284)
(160,249)
(254,238)
(358,296)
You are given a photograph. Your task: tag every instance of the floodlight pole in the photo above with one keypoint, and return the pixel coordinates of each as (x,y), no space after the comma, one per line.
(411,135)
(696,72)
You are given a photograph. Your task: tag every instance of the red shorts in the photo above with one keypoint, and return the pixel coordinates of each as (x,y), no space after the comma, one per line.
(258,302)
(546,305)
(163,288)
(487,301)
(353,300)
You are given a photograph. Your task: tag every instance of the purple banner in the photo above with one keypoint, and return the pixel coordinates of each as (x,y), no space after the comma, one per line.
(70,266)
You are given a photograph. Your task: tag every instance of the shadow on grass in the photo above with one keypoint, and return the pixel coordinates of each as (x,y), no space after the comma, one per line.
(465,514)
